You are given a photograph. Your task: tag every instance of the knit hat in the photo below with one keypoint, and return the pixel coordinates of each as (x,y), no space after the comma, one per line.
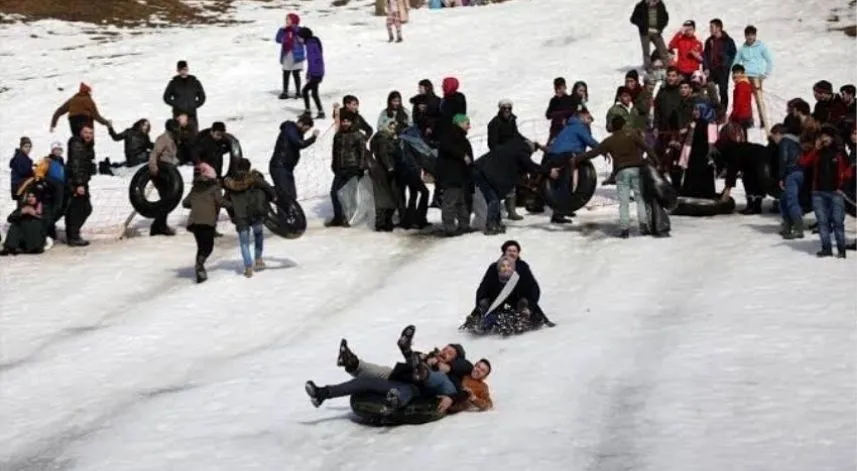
(823,86)
(181,65)
(56,145)
(459,350)
(84,88)
(25,141)
(460,118)
(633,74)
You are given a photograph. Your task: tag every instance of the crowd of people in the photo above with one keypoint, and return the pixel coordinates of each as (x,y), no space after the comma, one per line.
(677,116)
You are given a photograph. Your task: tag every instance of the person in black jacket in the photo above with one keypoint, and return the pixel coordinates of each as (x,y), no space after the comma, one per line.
(426,109)
(651,17)
(185,94)
(717,58)
(137,144)
(455,155)
(81,156)
(209,147)
(287,154)
(352,105)
(502,129)
(497,172)
(454,103)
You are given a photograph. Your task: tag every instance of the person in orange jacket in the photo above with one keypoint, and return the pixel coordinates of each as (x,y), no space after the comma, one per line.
(478,395)
(742,99)
(688,49)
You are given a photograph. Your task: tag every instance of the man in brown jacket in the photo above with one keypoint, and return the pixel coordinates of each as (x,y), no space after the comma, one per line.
(626,145)
(165,151)
(81,111)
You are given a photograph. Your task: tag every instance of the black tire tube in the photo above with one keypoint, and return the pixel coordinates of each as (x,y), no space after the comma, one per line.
(168,202)
(664,192)
(293,226)
(420,411)
(587,182)
(703,207)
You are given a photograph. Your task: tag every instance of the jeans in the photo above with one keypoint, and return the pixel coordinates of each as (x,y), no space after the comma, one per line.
(829,207)
(491,198)
(790,199)
(364,384)
(628,179)
(244,243)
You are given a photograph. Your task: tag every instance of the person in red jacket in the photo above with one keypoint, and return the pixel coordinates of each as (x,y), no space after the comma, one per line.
(688,49)
(830,170)
(742,99)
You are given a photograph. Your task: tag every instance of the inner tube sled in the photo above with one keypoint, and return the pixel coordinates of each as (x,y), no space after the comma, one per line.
(286,218)
(504,320)
(370,407)
(587,181)
(171,194)
(703,207)
(658,187)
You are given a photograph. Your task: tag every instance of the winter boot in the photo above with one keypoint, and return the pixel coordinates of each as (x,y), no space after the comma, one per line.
(511,209)
(390,36)
(785,229)
(316,394)
(398,37)
(625,234)
(825,252)
(406,339)
(248,272)
(797,231)
(840,253)
(199,269)
(346,357)
(320,115)
(754,206)
(259,265)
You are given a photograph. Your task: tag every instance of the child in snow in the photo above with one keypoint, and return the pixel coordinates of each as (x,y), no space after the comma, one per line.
(247,196)
(204,201)
(742,99)
(21,165)
(292,54)
(315,69)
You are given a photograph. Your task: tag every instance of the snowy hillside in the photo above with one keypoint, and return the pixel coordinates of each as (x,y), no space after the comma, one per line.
(723,347)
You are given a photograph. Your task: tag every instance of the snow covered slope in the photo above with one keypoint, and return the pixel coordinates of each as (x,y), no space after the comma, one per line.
(721,348)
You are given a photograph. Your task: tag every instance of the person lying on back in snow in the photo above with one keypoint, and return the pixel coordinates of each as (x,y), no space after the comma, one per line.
(403,383)
(138,145)
(26,228)
(497,172)
(247,196)
(627,146)
(574,138)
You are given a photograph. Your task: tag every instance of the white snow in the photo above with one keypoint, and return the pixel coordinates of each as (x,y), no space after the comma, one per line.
(720,348)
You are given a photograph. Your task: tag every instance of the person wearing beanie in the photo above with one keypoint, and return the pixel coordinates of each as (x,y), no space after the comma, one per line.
(204,202)
(651,17)
(21,165)
(718,55)
(349,160)
(455,155)
(81,110)
(185,95)
(394,111)
(688,49)
(758,64)
(830,170)
(315,70)
(502,129)
(292,54)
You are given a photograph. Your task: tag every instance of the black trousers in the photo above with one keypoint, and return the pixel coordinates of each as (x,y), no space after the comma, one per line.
(204,236)
(417,198)
(160,221)
(78,211)
(721,76)
(296,74)
(284,181)
(312,88)
(77,122)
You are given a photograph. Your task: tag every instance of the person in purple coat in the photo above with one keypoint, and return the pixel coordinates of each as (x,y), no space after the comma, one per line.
(315,69)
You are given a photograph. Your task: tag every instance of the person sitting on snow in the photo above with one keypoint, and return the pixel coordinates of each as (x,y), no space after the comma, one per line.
(501,306)
(27,228)
(138,145)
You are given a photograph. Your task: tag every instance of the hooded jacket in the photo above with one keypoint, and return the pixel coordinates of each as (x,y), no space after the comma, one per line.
(287,149)
(80,104)
(756,59)
(503,166)
(574,138)
(247,195)
(137,143)
(685,46)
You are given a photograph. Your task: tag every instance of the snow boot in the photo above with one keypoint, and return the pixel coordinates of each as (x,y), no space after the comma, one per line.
(785,229)
(492,228)
(259,265)
(825,252)
(406,339)
(797,231)
(754,206)
(199,269)
(320,115)
(390,37)
(248,272)
(316,394)
(399,37)
(346,357)
(511,209)
(840,253)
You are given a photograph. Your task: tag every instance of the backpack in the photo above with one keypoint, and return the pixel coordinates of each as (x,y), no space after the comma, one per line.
(56,171)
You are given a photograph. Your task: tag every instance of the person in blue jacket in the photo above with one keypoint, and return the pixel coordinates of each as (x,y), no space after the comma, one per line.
(758,63)
(21,165)
(287,154)
(292,54)
(574,138)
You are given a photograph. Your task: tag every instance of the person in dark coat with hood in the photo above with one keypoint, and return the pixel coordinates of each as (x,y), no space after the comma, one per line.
(426,109)
(497,172)
(314,71)
(184,94)
(138,145)
(455,155)
(287,154)
(21,165)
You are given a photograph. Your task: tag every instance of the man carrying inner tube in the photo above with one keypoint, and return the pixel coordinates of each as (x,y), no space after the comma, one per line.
(574,138)
(165,151)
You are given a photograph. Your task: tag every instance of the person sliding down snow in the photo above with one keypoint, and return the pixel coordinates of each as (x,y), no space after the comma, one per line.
(137,147)
(497,172)
(477,393)
(247,195)
(401,386)
(501,306)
